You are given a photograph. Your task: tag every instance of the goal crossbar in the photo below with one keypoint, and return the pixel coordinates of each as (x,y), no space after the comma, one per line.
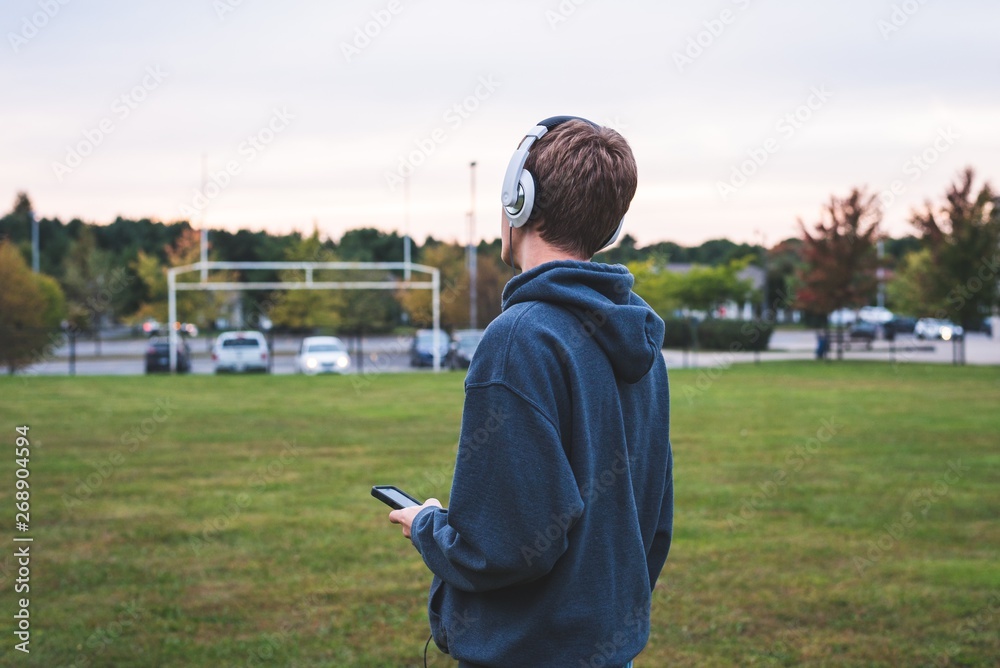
(306,283)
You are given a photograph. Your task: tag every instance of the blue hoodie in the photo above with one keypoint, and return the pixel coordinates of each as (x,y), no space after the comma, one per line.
(561,507)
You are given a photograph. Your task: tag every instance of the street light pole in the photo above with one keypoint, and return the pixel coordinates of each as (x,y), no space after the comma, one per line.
(204,230)
(763,262)
(34,243)
(880,273)
(406,228)
(473,269)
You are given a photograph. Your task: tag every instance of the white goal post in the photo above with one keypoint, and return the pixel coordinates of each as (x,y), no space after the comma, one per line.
(307,284)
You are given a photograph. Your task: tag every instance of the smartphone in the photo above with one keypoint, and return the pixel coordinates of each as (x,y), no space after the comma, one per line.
(394,497)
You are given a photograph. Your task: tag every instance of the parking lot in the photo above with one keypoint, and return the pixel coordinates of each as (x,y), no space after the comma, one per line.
(382,354)
(126,357)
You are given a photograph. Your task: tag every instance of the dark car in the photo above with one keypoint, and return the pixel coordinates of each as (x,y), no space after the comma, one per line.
(463,346)
(901,324)
(422,348)
(158,356)
(863,331)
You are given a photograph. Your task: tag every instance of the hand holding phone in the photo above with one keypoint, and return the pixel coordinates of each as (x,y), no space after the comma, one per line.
(394,497)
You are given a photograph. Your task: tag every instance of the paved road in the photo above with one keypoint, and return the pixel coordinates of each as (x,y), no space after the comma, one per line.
(391,354)
(126,357)
(801,345)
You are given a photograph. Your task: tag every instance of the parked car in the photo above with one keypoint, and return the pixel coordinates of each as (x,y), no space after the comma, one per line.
(932,328)
(901,324)
(863,330)
(322,354)
(463,346)
(878,315)
(985,326)
(240,351)
(186,328)
(158,356)
(844,316)
(422,348)
(150,327)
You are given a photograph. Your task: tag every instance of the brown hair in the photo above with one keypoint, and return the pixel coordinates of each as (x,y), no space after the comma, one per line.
(585,178)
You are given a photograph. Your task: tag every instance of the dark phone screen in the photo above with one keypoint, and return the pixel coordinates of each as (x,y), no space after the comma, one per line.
(393,497)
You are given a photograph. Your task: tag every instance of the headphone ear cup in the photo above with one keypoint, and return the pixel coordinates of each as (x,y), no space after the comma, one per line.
(519,213)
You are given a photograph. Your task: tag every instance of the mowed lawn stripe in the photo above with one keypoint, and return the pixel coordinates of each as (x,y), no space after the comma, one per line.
(202,521)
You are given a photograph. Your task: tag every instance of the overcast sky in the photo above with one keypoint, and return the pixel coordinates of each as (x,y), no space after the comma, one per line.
(743,115)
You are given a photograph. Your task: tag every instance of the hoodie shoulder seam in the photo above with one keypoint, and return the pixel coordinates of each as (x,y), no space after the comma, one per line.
(517,393)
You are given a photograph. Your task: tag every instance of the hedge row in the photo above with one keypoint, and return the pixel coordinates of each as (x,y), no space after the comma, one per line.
(734,335)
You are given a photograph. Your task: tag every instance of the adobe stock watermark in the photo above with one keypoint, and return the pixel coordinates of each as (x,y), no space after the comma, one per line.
(121,108)
(33,24)
(223,8)
(752,330)
(453,117)
(105,468)
(256,482)
(118,279)
(918,164)
(712,30)
(475,439)
(248,150)
(795,460)
(989,269)
(368,32)
(606,650)
(969,630)
(562,12)
(920,500)
(899,16)
(786,126)
(105,636)
(987,272)
(561,523)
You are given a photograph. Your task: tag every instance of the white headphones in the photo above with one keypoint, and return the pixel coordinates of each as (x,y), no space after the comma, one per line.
(518,193)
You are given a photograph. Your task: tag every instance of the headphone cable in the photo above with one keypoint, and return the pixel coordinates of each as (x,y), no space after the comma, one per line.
(426,645)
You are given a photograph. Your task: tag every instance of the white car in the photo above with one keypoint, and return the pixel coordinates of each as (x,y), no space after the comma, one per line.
(844,316)
(875,314)
(932,328)
(322,354)
(240,351)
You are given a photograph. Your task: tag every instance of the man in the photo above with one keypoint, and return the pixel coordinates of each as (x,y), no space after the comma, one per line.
(562,502)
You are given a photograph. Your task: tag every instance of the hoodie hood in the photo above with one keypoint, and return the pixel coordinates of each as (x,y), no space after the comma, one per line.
(601,297)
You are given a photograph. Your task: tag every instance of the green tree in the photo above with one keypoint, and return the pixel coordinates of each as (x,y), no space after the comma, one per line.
(707,288)
(656,285)
(450,259)
(963,237)
(784,264)
(89,278)
(31,308)
(305,310)
(909,289)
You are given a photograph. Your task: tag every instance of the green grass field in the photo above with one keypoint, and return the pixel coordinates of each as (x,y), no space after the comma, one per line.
(838,514)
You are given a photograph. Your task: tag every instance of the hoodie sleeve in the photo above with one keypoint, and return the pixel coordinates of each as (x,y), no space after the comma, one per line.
(660,546)
(513,501)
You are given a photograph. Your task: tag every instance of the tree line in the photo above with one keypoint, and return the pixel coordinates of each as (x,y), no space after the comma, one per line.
(92,275)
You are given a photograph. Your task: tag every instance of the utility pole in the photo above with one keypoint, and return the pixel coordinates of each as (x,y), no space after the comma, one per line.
(34,243)
(204,230)
(880,273)
(472,247)
(406,227)
(763,262)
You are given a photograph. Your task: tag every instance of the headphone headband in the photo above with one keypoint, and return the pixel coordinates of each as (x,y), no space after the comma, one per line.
(518,191)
